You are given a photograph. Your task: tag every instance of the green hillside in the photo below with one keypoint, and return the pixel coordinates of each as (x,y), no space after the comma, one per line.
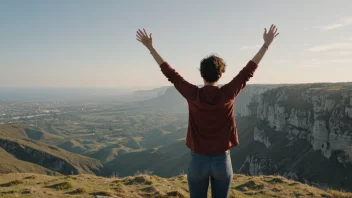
(165,161)
(109,153)
(14,142)
(73,146)
(157,137)
(9,164)
(8,130)
(41,135)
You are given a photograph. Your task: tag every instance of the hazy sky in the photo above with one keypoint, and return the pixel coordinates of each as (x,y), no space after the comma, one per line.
(86,43)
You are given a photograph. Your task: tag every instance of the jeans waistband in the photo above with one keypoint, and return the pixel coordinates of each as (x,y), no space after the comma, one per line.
(226,152)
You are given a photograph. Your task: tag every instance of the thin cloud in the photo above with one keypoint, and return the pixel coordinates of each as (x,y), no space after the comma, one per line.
(332,46)
(318,63)
(250,47)
(333,26)
(339,24)
(335,61)
(346,53)
(283,61)
(307,65)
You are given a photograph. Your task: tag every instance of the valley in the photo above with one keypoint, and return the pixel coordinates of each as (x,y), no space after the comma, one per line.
(301,132)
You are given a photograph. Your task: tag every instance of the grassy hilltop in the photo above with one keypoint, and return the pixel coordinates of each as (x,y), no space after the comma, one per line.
(144,185)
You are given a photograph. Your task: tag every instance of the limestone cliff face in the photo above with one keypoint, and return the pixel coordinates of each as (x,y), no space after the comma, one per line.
(256,165)
(321,116)
(303,132)
(259,136)
(250,94)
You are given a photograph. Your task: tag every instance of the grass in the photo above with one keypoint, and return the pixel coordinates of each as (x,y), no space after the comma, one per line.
(42,186)
(30,177)
(61,186)
(139,179)
(276,180)
(103,193)
(250,185)
(176,194)
(80,190)
(339,194)
(12,183)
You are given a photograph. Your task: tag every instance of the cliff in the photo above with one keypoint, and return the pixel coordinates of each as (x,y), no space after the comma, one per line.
(305,132)
(318,113)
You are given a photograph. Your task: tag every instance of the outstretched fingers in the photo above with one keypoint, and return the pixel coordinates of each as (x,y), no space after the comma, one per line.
(275,30)
(143,37)
(139,37)
(140,33)
(145,32)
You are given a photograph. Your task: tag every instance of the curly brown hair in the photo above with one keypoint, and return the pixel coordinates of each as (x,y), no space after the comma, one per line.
(211,68)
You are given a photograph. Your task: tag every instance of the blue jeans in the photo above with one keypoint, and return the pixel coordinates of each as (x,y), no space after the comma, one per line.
(216,168)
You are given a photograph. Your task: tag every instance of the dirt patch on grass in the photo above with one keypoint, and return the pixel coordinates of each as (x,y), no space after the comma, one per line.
(149,189)
(175,193)
(80,190)
(30,177)
(61,186)
(103,193)
(141,179)
(276,180)
(250,185)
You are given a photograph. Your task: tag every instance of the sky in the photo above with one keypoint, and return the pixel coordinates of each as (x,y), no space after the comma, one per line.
(86,43)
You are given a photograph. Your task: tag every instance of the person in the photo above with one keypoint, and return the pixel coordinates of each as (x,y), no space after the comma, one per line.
(212,128)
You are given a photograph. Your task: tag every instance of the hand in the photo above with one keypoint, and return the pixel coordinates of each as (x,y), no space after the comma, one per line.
(269,36)
(142,37)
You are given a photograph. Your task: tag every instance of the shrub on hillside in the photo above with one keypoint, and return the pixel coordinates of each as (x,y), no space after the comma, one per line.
(103,193)
(251,185)
(81,190)
(30,177)
(62,186)
(11,183)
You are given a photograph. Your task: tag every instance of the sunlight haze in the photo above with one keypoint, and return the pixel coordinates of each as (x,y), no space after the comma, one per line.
(92,43)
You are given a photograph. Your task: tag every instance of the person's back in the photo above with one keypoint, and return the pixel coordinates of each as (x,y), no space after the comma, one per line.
(211,127)
(211,121)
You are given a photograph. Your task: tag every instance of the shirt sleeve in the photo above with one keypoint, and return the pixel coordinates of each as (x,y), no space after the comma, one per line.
(186,89)
(233,88)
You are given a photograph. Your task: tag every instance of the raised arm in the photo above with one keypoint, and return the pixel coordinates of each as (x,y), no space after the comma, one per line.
(147,41)
(187,90)
(233,88)
(268,39)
